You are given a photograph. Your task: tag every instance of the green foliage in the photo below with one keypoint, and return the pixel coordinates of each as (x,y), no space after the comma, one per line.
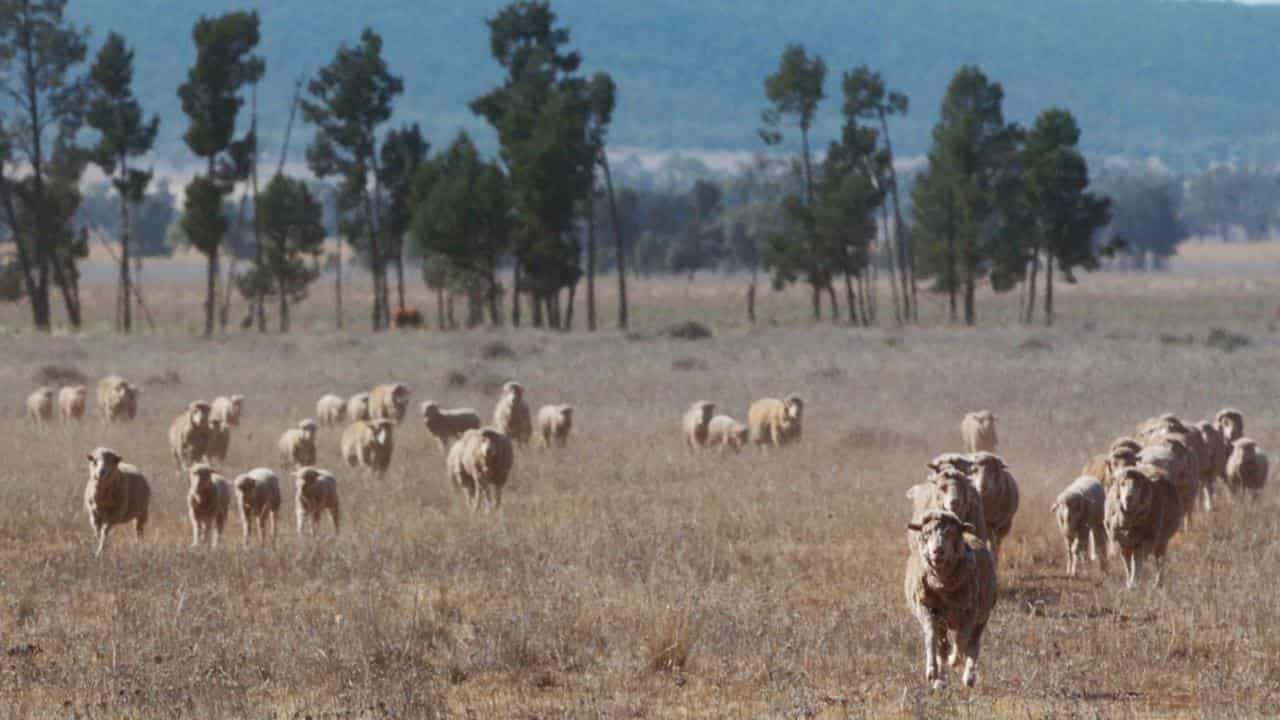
(1065,215)
(795,90)
(224,65)
(1225,196)
(1145,210)
(115,113)
(292,237)
(203,224)
(149,218)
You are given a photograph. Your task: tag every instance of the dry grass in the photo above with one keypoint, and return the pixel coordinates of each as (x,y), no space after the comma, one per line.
(625,577)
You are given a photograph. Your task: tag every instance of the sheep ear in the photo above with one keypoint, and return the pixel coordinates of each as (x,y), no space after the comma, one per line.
(89,456)
(1054,507)
(932,466)
(913,527)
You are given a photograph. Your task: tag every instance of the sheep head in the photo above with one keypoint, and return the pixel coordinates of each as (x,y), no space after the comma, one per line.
(103,463)
(942,545)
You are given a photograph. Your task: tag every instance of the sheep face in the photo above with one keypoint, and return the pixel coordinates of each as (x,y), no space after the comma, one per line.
(794,407)
(308,428)
(941,542)
(102,465)
(708,411)
(951,490)
(1231,423)
(1125,443)
(198,413)
(400,396)
(306,477)
(566,412)
(237,404)
(986,467)
(1134,492)
(514,390)
(430,410)
(382,432)
(201,479)
(244,485)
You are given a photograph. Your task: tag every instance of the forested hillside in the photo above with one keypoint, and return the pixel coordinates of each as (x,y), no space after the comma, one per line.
(1187,81)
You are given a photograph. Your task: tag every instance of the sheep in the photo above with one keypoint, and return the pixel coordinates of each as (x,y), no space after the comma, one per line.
(388,402)
(1213,463)
(298,445)
(1079,510)
(331,410)
(217,441)
(368,444)
(979,431)
(1142,514)
(447,426)
(726,433)
(1247,467)
(950,585)
(1231,424)
(358,407)
(1183,468)
(117,399)
(999,491)
(950,461)
(207,504)
(71,402)
(227,409)
(951,490)
(775,422)
(317,492)
(40,405)
(554,424)
(117,493)
(479,464)
(696,422)
(511,414)
(189,434)
(1123,453)
(258,496)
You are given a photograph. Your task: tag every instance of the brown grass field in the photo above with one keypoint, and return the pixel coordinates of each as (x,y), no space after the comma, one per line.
(626,577)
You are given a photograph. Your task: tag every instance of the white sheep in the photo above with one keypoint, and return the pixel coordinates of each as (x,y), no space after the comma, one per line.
(298,445)
(227,410)
(258,496)
(117,493)
(726,433)
(511,414)
(117,399)
(951,490)
(695,423)
(1143,512)
(776,422)
(447,426)
(358,407)
(217,441)
(40,405)
(389,401)
(1172,455)
(317,493)
(1079,510)
(950,585)
(979,431)
(1214,464)
(207,503)
(999,491)
(1247,468)
(189,435)
(331,410)
(368,444)
(71,402)
(554,424)
(479,465)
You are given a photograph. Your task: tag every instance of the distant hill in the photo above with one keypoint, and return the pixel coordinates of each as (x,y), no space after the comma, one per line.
(1190,82)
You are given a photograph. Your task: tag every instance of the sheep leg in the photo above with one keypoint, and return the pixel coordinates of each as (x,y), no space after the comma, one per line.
(102,531)
(1073,555)
(1159,561)
(139,526)
(932,674)
(496,497)
(335,515)
(1206,495)
(273,519)
(973,645)
(1099,548)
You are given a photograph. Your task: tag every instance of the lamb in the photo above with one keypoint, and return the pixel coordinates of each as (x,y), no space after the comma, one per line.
(116,494)
(117,399)
(71,402)
(227,409)
(953,491)
(447,426)
(258,495)
(317,493)
(1213,464)
(696,422)
(217,441)
(1143,513)
(189,435)
(511,414)
(331,410)
(979,431)
(207,504)
(775,422)
(1231,424)
(358,407)
(554,424)
(368,444)
(298,445)
(999,491)
(726,433)
(950,586)
(388,402)
(1247,467)
(479,464)
(1079,510)
(40,405)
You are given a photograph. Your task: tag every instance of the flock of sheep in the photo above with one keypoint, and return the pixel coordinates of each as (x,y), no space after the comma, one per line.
(1131,500)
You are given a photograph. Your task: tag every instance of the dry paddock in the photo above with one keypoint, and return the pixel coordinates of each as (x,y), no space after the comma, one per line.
(625,576)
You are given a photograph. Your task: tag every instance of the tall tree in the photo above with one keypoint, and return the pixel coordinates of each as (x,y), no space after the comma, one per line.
(1146,216)
(39,50)
(795,90)
(210,97)
(403,152)
(350,98)
(603,95)
(124,134)
(293,238)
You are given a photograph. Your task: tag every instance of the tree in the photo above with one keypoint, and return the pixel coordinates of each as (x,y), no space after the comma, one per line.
(211,100)
(795,89)
(703,241)
(603,97)
(1146,216)
(39,49)
(403,152)
(292,234)
(1065,215)
(350,98)
(849,194)
(124,133)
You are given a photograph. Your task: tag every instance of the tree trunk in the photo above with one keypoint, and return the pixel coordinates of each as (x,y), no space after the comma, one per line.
(124,311)
(889,253)
(751,298)
(337,286)
(284,310)
(835,306)
(399,260)
(906,256)
(39,306)
(494,318)
(70,291)
(211,292)
(568,313)
(536,298)
(848,297)
(591,263)
(1029,308)
(817,303)
(808,167)
(953,282)
(475,309)
(1048,290)
(617,236)
(453,320)
(515,294)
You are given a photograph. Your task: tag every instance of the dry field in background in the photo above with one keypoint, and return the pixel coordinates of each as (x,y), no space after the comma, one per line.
(626,577)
